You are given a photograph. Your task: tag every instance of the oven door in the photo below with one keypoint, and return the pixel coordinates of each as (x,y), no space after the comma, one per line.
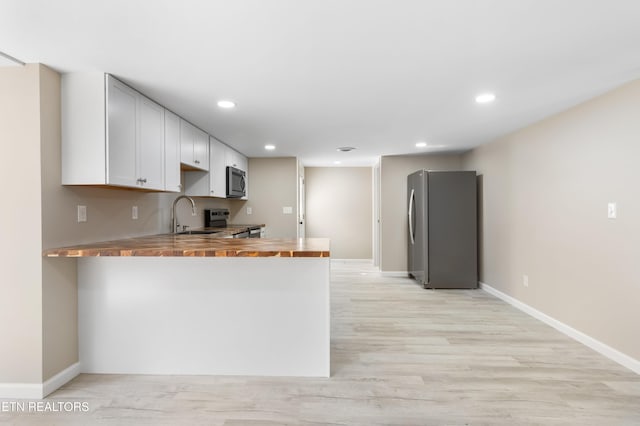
(236,185)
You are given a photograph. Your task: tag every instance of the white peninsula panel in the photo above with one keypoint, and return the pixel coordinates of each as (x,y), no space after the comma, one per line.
(216,315)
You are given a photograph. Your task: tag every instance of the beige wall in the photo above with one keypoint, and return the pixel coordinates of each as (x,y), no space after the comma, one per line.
(21,251)
(393,195)
(273,185)
(59,291)
(38,317)
(339,206)
(544,200)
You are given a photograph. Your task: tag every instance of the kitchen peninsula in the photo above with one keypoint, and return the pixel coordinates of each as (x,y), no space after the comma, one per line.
(200,304)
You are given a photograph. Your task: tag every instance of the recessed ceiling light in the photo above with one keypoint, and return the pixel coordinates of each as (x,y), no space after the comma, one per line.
(226,104)
(421,144)
(269,147)
(485,98)
(345,148)
(336,162)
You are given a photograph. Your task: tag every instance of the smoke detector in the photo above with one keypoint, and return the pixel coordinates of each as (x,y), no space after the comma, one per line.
(345,148)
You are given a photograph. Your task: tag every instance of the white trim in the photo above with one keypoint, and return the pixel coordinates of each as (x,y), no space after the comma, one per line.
(602,348)
(60,379)
(37,390)
(403,274)
(367,261)
(20,391)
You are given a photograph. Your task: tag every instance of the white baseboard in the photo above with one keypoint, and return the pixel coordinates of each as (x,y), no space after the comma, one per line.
(368,261)
(602,348)
(20,391)
(37,390)
(61,379)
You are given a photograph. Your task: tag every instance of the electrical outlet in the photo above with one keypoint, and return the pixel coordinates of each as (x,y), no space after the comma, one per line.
(287,210)
(82,214)
(249,210)
(134,212)
(612,210)
(525,280)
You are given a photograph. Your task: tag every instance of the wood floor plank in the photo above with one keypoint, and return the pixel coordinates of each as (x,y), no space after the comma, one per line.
(401,355)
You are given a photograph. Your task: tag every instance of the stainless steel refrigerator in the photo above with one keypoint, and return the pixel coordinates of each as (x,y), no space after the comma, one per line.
(442,213)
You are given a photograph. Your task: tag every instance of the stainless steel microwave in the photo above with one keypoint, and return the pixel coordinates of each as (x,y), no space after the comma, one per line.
(236,183)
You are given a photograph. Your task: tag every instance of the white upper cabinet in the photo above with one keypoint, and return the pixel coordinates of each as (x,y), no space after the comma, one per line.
(150,147)
(172,152)
(194,147)
(234,159)
(201,149)
(111,134)
(122,118)
(218,171)
(214,183)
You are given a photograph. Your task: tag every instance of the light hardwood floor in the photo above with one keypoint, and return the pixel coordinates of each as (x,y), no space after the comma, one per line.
(401,355)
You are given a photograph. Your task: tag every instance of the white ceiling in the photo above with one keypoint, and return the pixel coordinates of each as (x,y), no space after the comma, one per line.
(312,75)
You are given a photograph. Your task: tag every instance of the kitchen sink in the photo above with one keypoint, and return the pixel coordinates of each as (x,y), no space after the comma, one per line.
(196,232)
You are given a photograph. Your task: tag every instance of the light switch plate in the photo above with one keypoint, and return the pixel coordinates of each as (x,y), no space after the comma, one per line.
(249,210)
(82,214)
(612,210)
(134,212)
(287,210)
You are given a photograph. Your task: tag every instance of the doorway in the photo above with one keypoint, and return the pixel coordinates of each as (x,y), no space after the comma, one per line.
(301,203)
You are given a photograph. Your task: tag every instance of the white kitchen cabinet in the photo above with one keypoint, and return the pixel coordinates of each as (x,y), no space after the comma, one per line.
(201,149)
(172,152)
(218,171)
(150,153)
(243,163)
(213,183)
(111,134)
(194,147)
(122,118)
(234,159)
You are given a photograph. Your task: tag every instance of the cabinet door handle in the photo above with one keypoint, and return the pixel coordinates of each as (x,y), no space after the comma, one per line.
(197,161)
(140,180)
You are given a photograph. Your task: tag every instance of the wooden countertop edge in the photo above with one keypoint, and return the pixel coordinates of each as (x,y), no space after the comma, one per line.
(127,248)
(188,253)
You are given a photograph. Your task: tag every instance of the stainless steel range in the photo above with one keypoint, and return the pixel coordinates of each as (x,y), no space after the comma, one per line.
(216,218)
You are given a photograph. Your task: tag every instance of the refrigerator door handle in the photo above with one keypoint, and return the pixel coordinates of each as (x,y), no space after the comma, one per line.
(411,201)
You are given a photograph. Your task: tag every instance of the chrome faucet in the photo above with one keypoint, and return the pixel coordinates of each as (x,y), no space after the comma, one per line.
(174,218)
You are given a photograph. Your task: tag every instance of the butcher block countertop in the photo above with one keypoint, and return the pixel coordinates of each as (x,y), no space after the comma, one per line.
(198,245)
